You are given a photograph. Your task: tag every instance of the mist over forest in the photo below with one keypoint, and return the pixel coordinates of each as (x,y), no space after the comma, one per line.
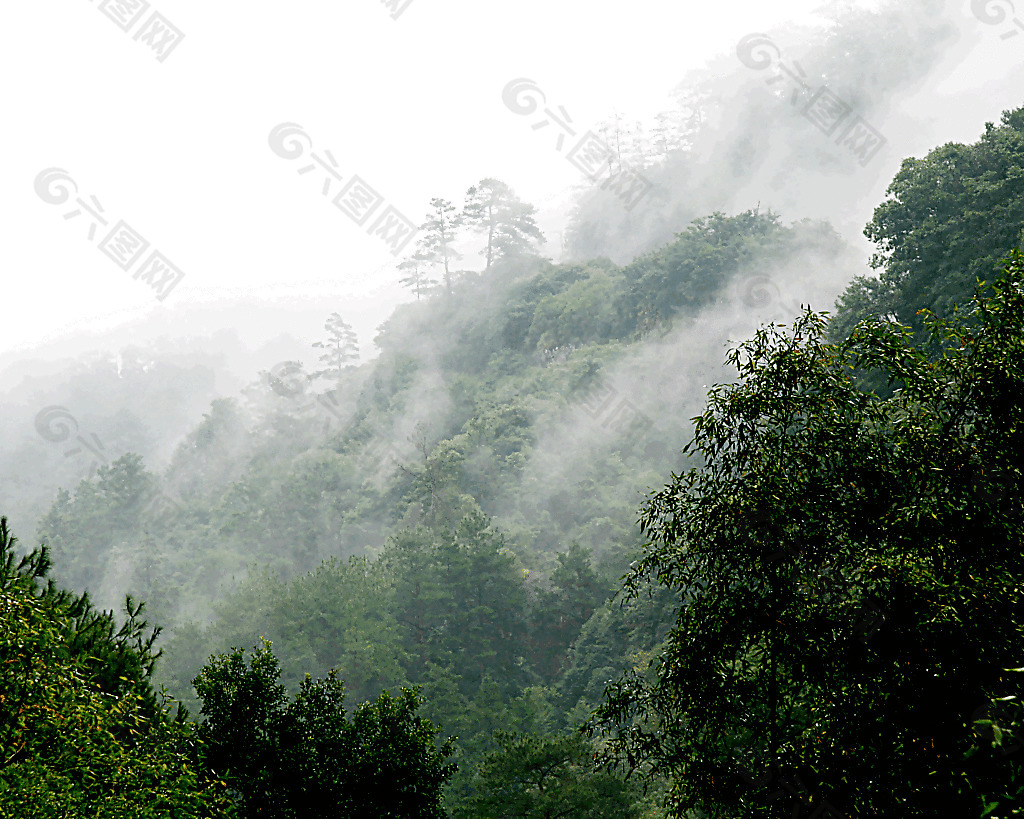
(689,491)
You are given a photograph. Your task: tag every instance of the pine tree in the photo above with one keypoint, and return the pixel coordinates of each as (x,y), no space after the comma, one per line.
(492,207)
(417,278)
(340,348)
(435,246)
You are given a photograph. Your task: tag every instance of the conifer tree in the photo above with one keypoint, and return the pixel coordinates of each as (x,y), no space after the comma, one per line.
(340,348)
(493,208)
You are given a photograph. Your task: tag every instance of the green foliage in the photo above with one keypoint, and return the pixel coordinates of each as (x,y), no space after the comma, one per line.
(87,531)
(490,530)
(208,459)
(340,615)
(836,612)
(559,612)
(81,732)
(305,756)
(947,221)
(535,777)
(568,306)
(583,313)
(340,348)
(416,277)
(493,208)
(460,596)
(434,247)
(693,271)
(849,572)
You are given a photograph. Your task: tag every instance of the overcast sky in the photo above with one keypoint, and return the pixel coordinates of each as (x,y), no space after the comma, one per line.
(171,137)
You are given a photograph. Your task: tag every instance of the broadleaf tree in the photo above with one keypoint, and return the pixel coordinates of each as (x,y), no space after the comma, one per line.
(947,221)
(543,777)
(850,579)
(305,757)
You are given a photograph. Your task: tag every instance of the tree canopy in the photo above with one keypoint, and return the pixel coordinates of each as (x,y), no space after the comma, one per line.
(493,209)
(947,221)
(849,576)
(305,757)
(82,733)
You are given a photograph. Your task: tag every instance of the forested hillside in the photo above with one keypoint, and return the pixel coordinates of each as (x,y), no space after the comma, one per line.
(473,490)
(575,520)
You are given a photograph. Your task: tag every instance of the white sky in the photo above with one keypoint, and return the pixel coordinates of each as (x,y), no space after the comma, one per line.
(179,149)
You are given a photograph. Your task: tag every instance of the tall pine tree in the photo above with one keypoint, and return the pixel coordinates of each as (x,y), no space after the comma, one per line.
(493,208)
(340,348)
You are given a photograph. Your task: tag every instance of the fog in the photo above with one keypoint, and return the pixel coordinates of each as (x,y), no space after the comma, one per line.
(734,134)
(801,113)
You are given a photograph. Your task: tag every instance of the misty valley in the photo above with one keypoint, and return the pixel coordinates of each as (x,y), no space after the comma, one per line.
(713,515)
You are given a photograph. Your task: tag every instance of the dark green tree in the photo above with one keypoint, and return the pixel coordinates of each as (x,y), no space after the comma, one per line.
(460,596)
(560,611)
(340,615)
(947,221)
(305,757)
(103,516)
(82,732)
(849,572)
(549,777)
